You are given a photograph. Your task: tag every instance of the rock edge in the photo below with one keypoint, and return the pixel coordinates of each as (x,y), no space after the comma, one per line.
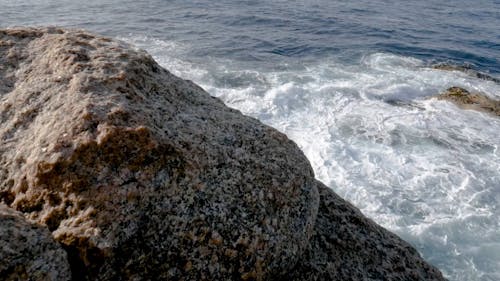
(141,175)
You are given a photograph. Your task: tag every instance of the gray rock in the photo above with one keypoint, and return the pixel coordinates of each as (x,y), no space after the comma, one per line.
(28,251)
(467,69)
(140,174)
(348,246)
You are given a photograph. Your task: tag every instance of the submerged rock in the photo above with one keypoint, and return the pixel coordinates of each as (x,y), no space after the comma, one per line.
(467,70)
(142,175)
(475,101)
(28,251)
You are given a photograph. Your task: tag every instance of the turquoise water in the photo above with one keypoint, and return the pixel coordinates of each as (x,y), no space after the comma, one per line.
(327,74)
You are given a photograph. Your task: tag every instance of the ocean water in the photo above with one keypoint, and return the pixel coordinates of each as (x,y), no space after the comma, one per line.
(351,83)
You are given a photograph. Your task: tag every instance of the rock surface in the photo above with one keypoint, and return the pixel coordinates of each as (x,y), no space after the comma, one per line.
(467,70)
(347,246)
(28,251)
(141,175)
(475,101)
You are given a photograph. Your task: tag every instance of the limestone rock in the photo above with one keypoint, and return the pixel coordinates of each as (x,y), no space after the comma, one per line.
(348,246)
(28,251)
(140,174)
(474,101)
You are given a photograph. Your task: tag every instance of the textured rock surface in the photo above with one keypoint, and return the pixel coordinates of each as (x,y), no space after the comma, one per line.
(474,101)
(348,246)
(141,175)
(28,251)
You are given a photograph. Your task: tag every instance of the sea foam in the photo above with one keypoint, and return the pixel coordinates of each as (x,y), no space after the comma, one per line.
(422,168)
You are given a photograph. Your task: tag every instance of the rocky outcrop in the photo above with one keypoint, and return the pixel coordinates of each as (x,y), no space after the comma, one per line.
(475,101)
(141,175)
(28,251)
(467,70)
(347,246)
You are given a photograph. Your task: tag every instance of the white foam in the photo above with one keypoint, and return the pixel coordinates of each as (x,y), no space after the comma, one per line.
(424,168)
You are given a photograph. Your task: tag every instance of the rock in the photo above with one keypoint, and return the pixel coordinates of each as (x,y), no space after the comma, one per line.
(467,70)
(28,251)
(348,246)
(140,174)
(475,101)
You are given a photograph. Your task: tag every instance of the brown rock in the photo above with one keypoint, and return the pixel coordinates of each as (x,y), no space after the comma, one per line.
(28,251)
(144,176)
(140,174)
(475,101)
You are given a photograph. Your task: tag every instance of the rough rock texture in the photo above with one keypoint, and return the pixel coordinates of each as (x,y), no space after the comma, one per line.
(467,70)
(28,251)
(348,246)
(467,100)
(141,175)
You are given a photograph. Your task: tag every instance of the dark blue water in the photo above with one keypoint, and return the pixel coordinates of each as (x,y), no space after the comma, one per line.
(461,32)
(322,72)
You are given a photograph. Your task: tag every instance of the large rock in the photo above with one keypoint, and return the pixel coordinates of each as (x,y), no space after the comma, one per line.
(28,251)
(348,246)
(141,175)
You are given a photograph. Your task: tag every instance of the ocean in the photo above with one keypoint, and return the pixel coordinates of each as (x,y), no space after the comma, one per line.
(351,82)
